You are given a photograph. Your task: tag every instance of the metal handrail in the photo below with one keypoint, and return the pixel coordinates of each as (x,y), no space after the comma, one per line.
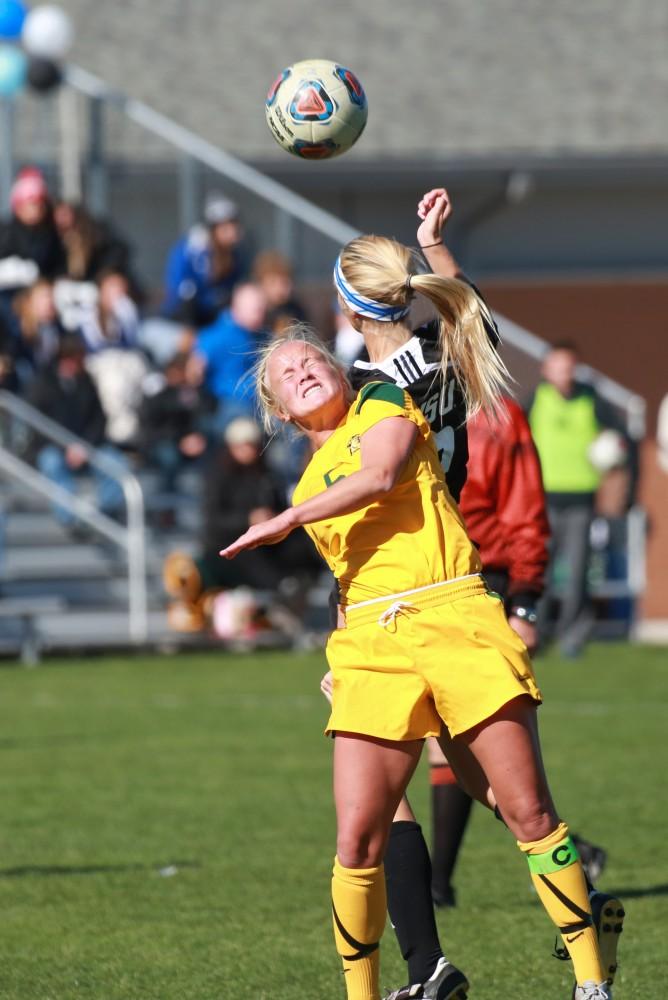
(130,538)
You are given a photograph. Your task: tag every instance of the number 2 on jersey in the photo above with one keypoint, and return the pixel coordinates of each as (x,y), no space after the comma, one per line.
(445,445)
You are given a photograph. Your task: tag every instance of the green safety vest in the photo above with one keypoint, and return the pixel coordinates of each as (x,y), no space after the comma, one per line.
(563,430)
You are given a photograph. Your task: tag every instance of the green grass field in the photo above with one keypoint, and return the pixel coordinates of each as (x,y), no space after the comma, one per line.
(167,831)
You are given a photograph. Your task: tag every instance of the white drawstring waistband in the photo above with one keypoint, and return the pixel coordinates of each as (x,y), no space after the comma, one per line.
(409,593)
(389,615)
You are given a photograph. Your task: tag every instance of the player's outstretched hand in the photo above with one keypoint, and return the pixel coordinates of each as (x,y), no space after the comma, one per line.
(434,208)
(266,533)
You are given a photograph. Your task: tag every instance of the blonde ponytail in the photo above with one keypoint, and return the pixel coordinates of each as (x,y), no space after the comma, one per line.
(384,271)
(464,342)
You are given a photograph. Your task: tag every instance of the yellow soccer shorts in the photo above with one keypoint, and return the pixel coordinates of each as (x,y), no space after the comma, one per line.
(403,664)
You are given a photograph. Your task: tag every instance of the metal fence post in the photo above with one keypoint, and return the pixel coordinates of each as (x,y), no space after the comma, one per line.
(188,192)
(6,152)
(97,194)
(70,173)
(285,234)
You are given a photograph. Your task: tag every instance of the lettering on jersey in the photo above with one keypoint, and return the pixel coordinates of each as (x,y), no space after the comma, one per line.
(445,445)
(442,401)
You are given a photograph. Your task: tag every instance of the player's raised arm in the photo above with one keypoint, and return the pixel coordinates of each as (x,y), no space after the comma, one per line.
(434,209)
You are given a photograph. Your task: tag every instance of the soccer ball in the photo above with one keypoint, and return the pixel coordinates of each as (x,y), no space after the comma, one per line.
(608,451)
(316,109)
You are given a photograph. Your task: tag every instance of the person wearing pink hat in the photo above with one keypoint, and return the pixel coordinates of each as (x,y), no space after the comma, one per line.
(30,235)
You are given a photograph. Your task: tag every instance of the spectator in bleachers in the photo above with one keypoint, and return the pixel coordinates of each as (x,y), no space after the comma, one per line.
(38,330)
(90,245)
(64,391)
(92,250)
(206,264)
(229,348)
(115,361)
(115,319)
(273,274)
(174,419)
(119,377)
(240,491)
(30,245)
(109,329)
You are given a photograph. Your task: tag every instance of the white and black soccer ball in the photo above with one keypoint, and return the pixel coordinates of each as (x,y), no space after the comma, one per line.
(608,451)
(316,109)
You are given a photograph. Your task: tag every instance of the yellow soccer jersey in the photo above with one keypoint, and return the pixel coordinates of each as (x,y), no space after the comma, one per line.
(412,537)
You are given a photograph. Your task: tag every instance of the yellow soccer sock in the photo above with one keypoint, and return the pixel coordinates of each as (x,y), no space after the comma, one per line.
(359,907)
(557,874)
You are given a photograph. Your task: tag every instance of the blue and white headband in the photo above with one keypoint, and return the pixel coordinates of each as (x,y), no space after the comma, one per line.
(364,306)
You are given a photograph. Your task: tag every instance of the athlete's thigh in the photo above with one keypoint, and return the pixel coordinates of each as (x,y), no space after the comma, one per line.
(468,771)
(507,749)
(370,777)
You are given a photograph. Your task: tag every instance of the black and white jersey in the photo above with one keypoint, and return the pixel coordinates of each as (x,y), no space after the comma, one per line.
(416,367)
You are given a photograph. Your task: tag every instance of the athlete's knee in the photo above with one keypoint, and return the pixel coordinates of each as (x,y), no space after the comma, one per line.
(531,818)
(359,848)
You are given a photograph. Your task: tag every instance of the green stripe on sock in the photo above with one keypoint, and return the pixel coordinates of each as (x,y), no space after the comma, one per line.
(560,857)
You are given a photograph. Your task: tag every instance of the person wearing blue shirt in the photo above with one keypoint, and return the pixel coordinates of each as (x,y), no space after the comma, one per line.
(205,265)
(229,348)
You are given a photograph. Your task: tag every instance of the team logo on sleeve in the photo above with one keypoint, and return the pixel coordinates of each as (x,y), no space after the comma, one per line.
(354,444)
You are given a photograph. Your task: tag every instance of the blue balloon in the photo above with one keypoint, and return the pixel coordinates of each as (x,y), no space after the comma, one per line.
(12,16)
(13,68)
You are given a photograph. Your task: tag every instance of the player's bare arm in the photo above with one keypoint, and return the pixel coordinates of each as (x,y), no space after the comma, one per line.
(384,450)
(434,209)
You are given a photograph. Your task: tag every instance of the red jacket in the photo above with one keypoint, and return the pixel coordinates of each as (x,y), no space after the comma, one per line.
(503,502)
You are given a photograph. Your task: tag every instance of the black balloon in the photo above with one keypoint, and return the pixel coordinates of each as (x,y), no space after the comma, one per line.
(43,74)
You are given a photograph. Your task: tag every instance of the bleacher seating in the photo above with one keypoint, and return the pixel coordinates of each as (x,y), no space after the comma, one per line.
(75,592)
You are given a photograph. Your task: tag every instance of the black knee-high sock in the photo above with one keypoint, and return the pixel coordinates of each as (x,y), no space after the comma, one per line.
(450,810)
(408,879)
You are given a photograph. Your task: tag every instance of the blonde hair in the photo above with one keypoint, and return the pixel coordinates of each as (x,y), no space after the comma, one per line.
(300,333)
(22,305)
(380,268)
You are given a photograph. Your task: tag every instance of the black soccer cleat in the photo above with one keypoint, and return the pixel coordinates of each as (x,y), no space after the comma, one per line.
(446,983)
